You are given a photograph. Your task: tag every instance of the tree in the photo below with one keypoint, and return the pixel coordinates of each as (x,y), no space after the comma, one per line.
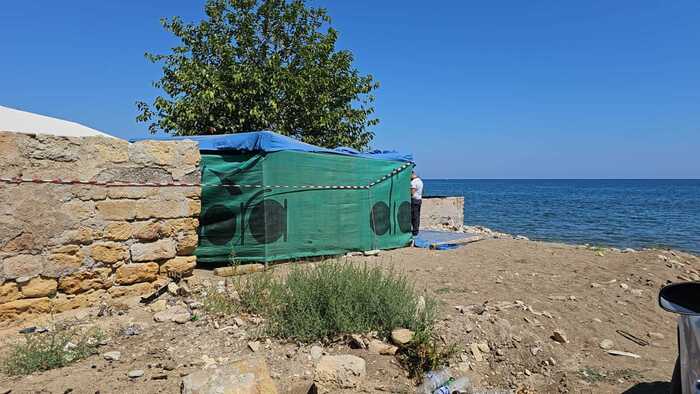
(261,65)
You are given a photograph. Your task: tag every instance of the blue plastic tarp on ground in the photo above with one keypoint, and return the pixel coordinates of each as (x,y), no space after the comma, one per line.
(438,240)
(268,141)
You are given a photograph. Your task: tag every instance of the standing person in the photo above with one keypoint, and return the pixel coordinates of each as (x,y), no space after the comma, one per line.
(416,200)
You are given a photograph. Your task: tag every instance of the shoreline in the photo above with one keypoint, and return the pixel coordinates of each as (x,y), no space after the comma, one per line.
(486,231)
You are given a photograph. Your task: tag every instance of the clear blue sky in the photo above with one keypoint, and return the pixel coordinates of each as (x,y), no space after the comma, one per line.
(490,89)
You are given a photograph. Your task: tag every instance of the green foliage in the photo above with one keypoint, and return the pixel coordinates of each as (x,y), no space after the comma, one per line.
(424,354)
(218,303)
(331,299)
(261,65)
(54,349)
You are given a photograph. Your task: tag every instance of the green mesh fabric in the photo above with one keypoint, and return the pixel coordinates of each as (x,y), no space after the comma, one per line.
(255,223)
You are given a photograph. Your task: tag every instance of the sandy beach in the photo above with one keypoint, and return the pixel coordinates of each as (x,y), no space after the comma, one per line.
(504,297)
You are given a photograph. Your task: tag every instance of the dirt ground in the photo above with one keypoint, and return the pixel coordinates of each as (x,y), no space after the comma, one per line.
(508,295)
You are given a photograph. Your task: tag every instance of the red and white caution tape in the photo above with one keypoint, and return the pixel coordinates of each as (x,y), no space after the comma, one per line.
(58,181)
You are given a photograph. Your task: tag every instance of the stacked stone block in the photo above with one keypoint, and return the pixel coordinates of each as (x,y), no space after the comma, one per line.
(64,246)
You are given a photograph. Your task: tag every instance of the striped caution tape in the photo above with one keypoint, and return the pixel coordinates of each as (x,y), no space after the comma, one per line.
(58,181)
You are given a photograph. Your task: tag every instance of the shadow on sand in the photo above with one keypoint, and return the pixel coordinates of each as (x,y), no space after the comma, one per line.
(649,388)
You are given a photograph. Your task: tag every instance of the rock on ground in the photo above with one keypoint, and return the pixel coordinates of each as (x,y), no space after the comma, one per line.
(344,371)
(316,352)
(559,336)
(606,344)
(378,347)
(246,376)
(401,336)
(112,356)
(177,314)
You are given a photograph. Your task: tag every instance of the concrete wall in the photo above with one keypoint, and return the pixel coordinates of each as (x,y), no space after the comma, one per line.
(66,246)
(440,212)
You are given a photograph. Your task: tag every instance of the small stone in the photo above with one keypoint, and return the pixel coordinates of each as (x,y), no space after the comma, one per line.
(254,346)
(112,356)
(559,336)
(178,314)
(479,309)
(476,352)
(344,371)
(500,352)
(637,292)
(378,347)
(624,286)
(401,336)
(135,373)
(173,288)
(656,335)
(535,350)
(182,318)
(469,327)
(316,352)
(195,305)
(606,344)
(595,285)
(484,347)
(239,322)
(373,252)
(132,330)
(159,306)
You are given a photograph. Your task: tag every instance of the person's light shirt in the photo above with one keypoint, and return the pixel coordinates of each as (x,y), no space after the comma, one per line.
(417,186)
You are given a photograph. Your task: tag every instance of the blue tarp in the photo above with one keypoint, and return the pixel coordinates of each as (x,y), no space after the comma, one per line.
(439,240)
(268,141)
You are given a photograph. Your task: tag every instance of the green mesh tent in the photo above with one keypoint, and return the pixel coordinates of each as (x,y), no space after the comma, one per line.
(267,197)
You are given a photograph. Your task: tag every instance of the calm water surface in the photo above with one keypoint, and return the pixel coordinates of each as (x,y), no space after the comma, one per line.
(622,213)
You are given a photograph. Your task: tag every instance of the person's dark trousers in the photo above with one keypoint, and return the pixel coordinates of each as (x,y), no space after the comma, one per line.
(415,215)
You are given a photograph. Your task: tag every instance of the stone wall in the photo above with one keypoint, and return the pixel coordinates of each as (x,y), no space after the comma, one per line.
(439,212)
(64,246)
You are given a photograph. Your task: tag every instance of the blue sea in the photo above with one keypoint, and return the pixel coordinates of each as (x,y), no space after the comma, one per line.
(620,213)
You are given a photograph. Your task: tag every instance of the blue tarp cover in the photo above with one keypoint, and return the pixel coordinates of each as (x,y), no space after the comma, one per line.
(268,141)
(439,240)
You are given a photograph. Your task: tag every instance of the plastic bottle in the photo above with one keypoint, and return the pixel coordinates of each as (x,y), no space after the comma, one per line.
(461,385)
(432,380)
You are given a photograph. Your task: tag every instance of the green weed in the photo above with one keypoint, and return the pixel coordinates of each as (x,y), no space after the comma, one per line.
(424,353)
(332,299)
(54,349)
